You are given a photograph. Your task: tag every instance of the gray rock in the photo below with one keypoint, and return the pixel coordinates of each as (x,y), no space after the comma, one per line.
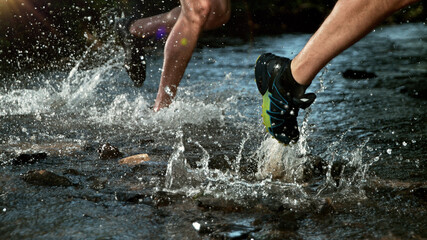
(46,178)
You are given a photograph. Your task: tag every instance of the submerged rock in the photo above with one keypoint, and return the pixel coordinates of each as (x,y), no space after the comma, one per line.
(209,203)
(400,188)
(107,151)
(98,183)
(421,193)
(27,158)
(151,169)
(358,74)
(72,171)
(326,208)
(132,197)
(46,178)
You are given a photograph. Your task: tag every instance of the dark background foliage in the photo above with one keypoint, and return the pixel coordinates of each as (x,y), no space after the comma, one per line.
(37,32)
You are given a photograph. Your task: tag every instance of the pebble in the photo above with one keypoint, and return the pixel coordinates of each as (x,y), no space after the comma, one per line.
(134,160)
(107,151)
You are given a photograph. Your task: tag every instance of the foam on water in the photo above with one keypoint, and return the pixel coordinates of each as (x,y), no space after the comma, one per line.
(25,101)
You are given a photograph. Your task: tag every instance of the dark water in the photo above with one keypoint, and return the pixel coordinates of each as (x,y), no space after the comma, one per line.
(358,171)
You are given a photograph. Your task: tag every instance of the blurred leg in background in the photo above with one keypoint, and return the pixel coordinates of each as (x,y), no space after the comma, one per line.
(195,16)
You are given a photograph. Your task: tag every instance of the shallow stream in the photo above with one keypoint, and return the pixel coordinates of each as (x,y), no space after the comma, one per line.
(359,170)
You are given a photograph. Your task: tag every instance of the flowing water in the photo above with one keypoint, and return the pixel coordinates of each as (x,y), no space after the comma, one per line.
(358,171)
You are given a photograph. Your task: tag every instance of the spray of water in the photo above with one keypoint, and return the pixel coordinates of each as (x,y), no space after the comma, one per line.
(280,175)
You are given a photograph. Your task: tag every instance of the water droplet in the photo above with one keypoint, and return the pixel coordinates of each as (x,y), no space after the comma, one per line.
(196,226)
(404,143)
(389,151)
(168,91)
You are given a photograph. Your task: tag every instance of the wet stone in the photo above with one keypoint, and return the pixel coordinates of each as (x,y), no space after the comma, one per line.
(162,198)
(218,204)
(151,168)
(134,160)
(336,171)
(107,151)
(315,167)
(130,197)
(71,171)
(98,183)
(145,141)
(94,199)
(421,193)
(358,74)
(26,158)
(46,178)
(327,208)
(281,222)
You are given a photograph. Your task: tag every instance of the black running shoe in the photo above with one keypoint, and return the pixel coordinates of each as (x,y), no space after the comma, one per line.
(135,62)
(282,97)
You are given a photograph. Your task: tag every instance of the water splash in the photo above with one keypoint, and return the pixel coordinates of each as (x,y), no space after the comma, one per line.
(279,162)
(280,175)
(227,185)
(179,175)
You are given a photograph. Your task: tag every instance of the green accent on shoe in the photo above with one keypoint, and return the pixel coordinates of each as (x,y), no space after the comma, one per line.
(265,108)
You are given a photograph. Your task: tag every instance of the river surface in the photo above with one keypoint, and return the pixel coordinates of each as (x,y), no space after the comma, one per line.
(358,171)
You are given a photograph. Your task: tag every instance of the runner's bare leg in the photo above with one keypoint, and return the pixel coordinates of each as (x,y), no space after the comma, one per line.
(349,21)
(159,24)
(195,16)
